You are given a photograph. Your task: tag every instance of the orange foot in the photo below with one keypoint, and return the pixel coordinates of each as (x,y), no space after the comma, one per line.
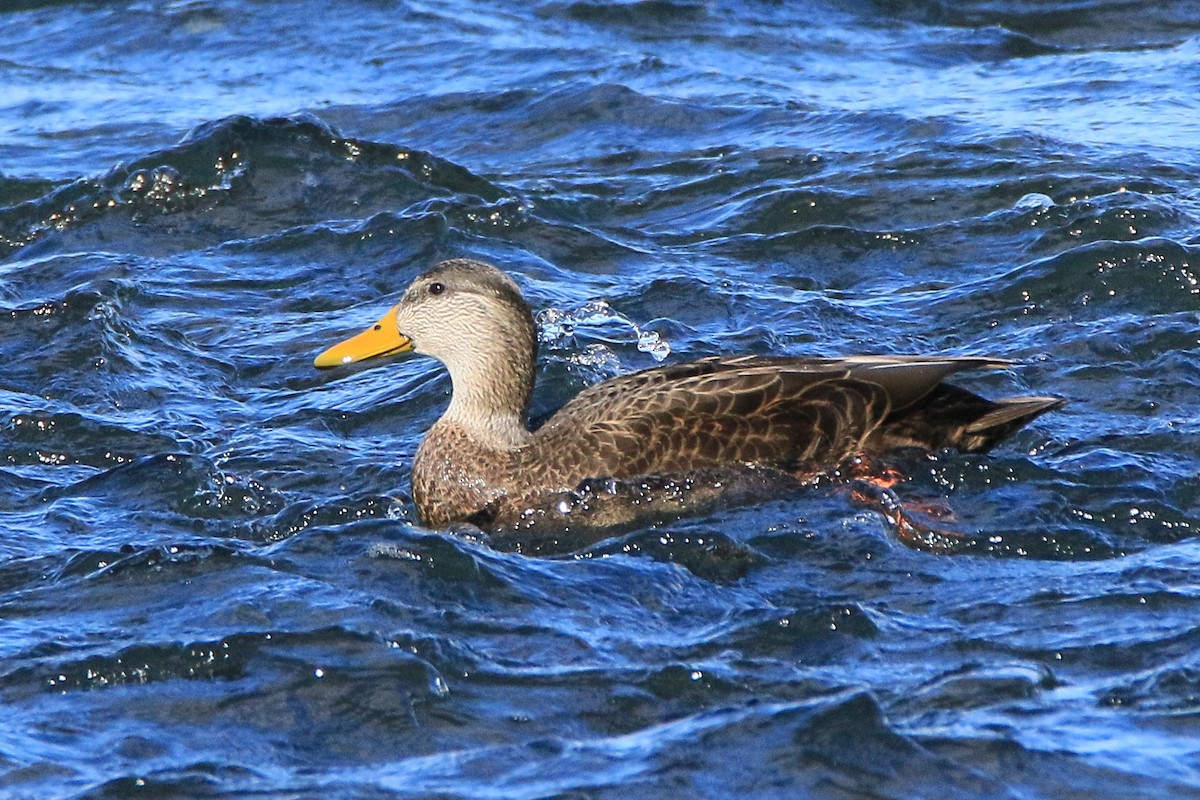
(926,524)
(875,472)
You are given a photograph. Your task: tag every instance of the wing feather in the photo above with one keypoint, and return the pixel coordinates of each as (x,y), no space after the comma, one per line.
(779,411)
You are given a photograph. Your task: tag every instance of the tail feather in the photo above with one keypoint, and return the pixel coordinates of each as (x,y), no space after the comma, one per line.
(954,417)
(1014,409)
(1008,415)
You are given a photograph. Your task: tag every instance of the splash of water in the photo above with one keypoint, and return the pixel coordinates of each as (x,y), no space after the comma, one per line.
(562,329)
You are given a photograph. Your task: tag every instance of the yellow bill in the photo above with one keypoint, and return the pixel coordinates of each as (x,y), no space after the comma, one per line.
(381,339)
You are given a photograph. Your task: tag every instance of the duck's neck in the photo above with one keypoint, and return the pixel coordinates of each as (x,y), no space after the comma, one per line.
(491,392)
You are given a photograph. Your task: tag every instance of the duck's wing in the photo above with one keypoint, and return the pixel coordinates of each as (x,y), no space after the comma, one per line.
(805,413)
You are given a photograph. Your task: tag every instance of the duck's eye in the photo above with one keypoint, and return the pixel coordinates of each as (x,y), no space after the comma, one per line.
(437,288)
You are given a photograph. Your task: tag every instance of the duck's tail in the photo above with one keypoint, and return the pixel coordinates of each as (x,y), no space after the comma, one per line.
(954,417)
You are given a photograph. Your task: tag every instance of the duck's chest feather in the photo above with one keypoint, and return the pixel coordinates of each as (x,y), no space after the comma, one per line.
(453,477)
(456,476)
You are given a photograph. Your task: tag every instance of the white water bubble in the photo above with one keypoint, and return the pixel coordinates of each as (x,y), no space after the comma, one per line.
(1034,201)
(650,342)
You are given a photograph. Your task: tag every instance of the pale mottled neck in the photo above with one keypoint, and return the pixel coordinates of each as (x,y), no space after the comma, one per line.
(497,430)
(491,395)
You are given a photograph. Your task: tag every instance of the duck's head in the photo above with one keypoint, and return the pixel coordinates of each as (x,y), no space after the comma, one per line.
(466,314)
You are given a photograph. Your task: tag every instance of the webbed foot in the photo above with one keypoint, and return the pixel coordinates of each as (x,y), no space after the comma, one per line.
(924,523)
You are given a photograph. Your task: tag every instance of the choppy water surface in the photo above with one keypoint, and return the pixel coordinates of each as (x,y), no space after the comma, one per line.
(212,582)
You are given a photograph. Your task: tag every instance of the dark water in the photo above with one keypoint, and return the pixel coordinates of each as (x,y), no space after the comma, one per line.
(212,582)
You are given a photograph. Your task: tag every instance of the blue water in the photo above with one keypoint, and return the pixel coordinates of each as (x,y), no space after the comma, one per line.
(212,579)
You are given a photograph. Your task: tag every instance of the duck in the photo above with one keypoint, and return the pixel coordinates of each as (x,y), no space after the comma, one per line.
(713,421)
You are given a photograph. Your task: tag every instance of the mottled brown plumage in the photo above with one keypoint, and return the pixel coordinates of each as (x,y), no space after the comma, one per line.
(718,416)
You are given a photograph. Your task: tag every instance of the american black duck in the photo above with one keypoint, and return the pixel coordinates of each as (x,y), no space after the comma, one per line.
(719,417)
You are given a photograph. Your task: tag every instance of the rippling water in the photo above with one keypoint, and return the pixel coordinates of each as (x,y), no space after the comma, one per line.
(212,579)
